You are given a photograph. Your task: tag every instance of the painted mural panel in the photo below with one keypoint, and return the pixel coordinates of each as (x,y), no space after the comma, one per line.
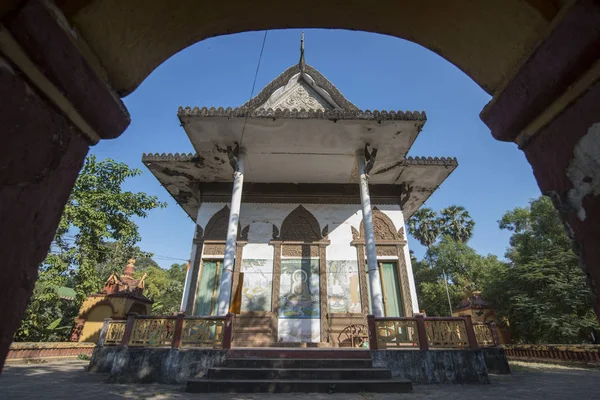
(299,330)
(343,290)
(258,284)
(299,289)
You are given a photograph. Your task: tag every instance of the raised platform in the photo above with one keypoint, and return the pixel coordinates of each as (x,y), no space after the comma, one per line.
(166,365)
(284,352)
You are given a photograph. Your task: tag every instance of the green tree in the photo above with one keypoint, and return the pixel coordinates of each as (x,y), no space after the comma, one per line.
(117,257)
(543,292)
(458,271)
(163,286)
(457,222)
(426,227)
(97,212)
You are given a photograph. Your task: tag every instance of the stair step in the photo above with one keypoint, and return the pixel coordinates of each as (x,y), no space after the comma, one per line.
(336,363)
(298,386)
(298,353)
(299,373)
(236,344)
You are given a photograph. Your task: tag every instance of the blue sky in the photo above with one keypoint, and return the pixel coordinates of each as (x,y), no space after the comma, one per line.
(374,72)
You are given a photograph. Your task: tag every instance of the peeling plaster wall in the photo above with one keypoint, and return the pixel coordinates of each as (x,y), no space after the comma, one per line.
(584,170)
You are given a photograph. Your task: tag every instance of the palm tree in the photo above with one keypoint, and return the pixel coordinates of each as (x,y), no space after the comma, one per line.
(426,227)
(457,222)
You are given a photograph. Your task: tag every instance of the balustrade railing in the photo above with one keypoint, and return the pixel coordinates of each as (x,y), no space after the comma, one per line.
(447,333)
(114,334)
(423,333)
(152,331)
(484,334)
(582,353)
(396,333)
(203,332)
(417,332)
(172,331)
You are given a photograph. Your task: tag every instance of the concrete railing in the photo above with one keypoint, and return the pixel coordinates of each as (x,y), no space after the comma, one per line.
(168,331)
(41,350)
(588,353)
(425,333)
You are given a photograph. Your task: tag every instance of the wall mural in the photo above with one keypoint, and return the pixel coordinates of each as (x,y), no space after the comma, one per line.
(343,289)
(299,289)
(258,284)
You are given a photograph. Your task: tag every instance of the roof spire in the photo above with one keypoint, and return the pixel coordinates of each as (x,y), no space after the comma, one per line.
(301,64)
(130,267)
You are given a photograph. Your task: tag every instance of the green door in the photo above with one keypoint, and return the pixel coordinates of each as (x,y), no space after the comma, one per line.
(208,288)
(390,289)
(392,300)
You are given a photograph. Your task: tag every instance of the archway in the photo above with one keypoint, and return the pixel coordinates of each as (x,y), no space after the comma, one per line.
(63,63)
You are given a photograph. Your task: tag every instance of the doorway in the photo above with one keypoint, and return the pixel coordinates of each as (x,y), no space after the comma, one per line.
(207,292)
(390,288)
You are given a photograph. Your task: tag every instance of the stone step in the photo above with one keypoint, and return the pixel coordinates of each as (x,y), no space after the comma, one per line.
(237,344)
(298,363)
(298,353)
(299,373)
(203,385)
(250,341)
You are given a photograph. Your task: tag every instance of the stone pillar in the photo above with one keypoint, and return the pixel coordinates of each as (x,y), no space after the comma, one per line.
(53,106)
(232,231)
(551,109)
(367,211)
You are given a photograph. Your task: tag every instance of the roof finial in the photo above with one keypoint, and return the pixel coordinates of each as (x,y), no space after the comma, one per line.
(301,64)
(129,268)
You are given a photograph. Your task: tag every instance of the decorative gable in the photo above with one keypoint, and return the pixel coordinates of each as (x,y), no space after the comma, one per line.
(299,95)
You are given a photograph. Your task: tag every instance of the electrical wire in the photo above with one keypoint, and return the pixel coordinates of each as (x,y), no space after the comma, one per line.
(253,86)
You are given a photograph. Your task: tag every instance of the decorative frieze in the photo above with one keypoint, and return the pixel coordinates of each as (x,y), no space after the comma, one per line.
(387,251)
(332,115)
(214,249)
(299,250)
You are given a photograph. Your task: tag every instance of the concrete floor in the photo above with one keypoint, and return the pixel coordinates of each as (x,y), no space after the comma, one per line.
(68,379)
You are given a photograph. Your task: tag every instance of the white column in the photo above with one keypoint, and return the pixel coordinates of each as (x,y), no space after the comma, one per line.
(188,278)
(230,246)
(374,278)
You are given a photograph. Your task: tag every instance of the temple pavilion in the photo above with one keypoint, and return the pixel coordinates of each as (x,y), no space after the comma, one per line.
(300,201)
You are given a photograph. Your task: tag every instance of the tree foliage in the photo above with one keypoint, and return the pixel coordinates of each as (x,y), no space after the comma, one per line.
(97,213)
(163,286)
(455,224)
(542,293)
(466,271)
(425,226)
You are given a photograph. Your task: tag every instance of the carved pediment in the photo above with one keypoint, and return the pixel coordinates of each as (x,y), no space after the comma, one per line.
(216,228)
(300,226)
(383,228)
(296,95)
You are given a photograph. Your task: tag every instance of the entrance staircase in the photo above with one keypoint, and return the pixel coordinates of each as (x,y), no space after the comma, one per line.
(298,371)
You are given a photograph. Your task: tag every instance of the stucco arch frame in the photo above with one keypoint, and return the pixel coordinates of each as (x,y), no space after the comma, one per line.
(300,236)
(389,242)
